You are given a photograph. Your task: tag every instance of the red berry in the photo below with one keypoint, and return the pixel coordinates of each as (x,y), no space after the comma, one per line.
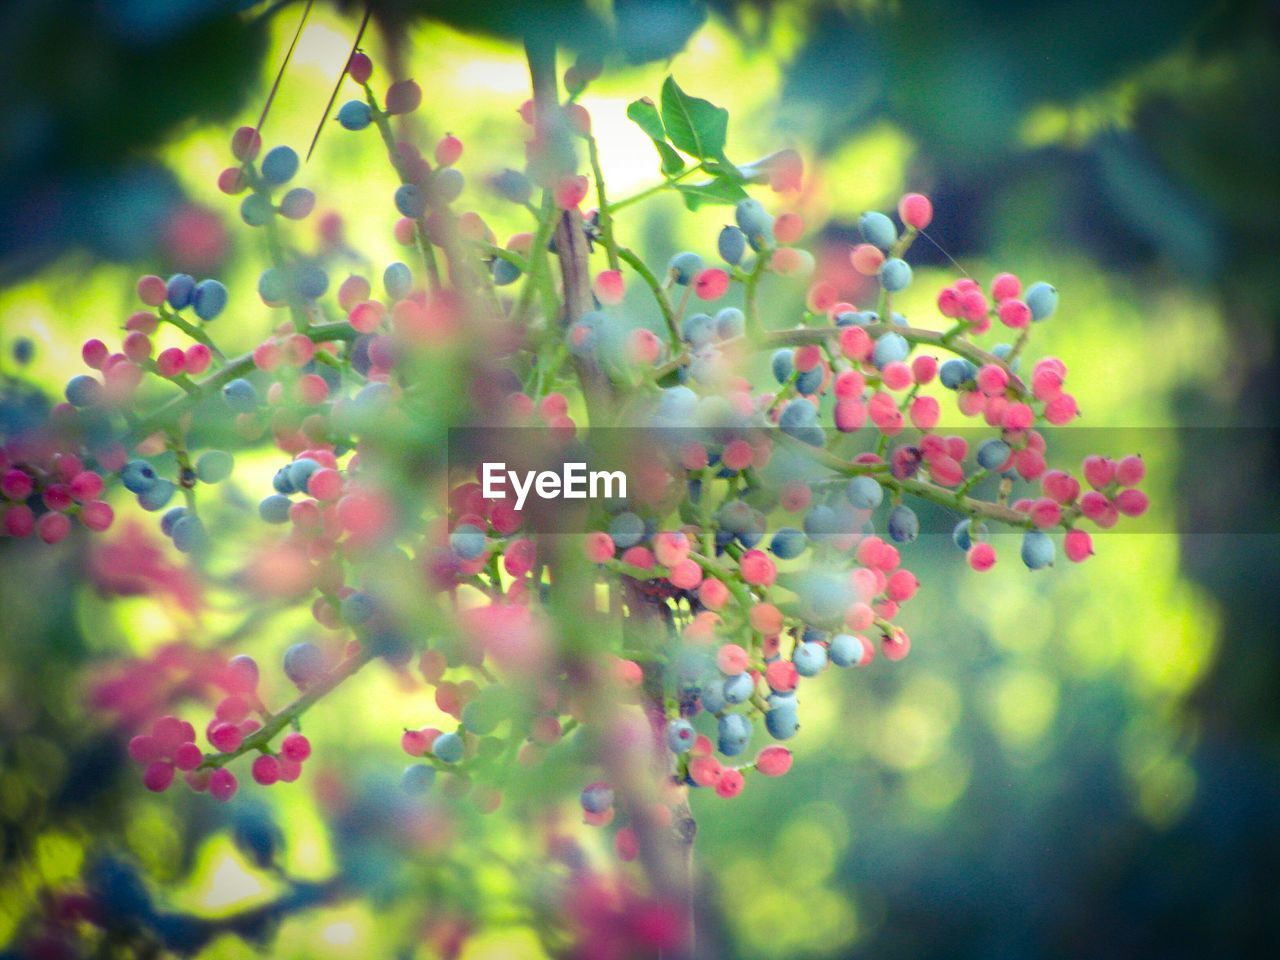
(222,784)
(266,770)
(360,67)
(158,776)
(448,150)
(915,210)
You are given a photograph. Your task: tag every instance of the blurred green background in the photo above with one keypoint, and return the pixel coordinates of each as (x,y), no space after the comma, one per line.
(1077,764)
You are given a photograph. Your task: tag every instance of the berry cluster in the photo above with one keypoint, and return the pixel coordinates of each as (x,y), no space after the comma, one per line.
(760,546)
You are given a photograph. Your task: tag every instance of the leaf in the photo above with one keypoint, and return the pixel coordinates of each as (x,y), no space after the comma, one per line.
(696,126)
(644,113)
(717,190)
(672,162)
(723,168)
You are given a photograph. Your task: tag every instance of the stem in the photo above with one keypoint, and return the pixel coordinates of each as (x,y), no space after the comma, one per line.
(754,327)
(656,188)
(664,304)
(260,738)
(602,204)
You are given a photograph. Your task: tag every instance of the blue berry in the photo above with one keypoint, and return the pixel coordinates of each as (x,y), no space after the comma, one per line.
(157,496)
(954,373)
(448,747)
(417,778)
(962,535)
(214,466)
(240,396)
(783,364)
(170,518)
(730,323)
(273,286)
(281,482)
(274,508)
(731,245)
(83,391)
(398,281)
(864,493)
(24,350)
(410,200)
(355,115)
(209,299)
(904,525)
(810,382)
(1037,549)
(311,281)
(279,165)
(878,230)
(993,453)
(626,529)
(845,650)
(781,719)
(895,274)
(512,185)
(755,223)
(595,797)
(1042,298)
(188,534)
(680,735)
(733,733)
(739,689)
(684,267)
(303,662)
(179,290)
(256,210)
(504,272)
(890,348)
(300,472)
(809,659)
(138,476)
(788,543)
(1002,350)
(712,695)
(467,541)
(358,608)
(698,329)
(797,415)
(298,203)
(446,184)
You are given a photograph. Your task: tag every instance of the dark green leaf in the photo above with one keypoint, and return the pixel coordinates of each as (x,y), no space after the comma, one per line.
(696,126)
(717,190)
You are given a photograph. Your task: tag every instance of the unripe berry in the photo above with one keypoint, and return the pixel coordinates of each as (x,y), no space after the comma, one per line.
(915,210)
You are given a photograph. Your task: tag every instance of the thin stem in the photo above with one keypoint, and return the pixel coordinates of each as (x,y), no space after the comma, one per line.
(660,295)
(656,188)
(602,204)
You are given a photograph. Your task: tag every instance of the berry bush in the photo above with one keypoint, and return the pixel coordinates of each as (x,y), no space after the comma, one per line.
(655,659)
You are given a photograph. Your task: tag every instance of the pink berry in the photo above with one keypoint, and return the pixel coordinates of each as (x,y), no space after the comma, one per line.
(686,575)
(1014,313)
(1005,285)
(915,210)
(140,322)
(788,228)
(1046,513)
(360,67)
(782,676)
(1077,545)
(225,737)
(137,346)
(53,527)
(599,547)
(982,557)
(144,748)
(416,743)
(158,776)
(571,191)
(171,362)
(325,484)
(266,770)
(1130,471)
(1131,502)
(609,287)
(222,784)
(245,144)
(757,569)
(16,484)
(1061,410)
(94,353)
(197,359)
(713,593)
(867,259)
(403,97)
(774,761)
(1099,471)
(152,290)
(924,368)
(711,284)
(187,756)
(448,150)
(729,784)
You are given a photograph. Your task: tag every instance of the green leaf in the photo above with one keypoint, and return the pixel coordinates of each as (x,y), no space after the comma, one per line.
(644,114)
(672,162)
(723,168)
(717,190)
(696,126)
